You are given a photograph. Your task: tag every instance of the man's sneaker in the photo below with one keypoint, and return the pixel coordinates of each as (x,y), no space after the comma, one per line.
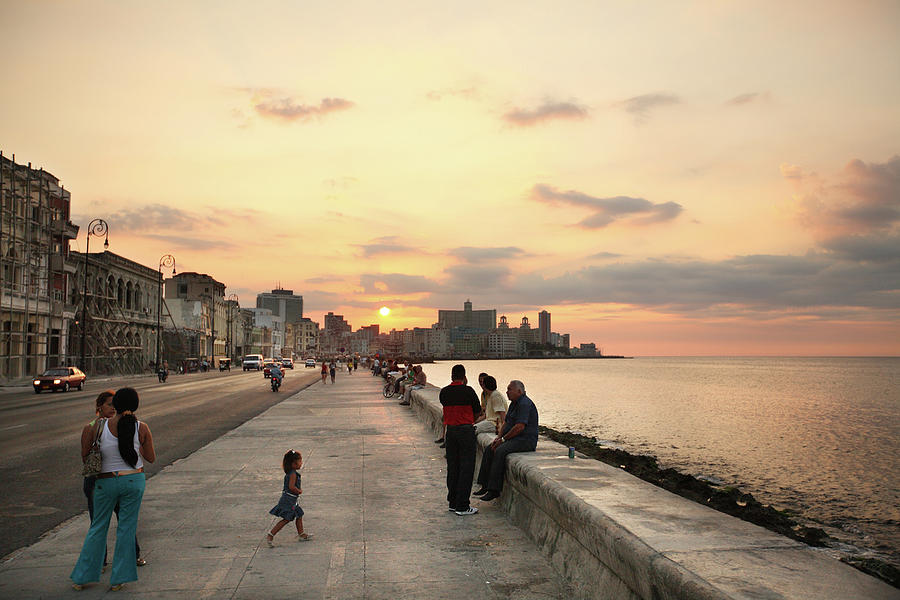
(469,511)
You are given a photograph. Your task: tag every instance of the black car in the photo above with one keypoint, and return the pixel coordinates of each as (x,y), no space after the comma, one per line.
(59,378)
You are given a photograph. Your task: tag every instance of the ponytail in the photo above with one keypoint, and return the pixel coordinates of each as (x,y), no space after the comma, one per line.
(126,402)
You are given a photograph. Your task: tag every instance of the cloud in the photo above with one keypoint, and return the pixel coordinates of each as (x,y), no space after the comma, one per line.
(862,199)
(288,109)
(865,248)
(789,171)
(749,98)
(640,106)
(636,211)
(546,112)
(318,280)
(473,254)
(193,243)
(386,245)
(468,93)
(466,277)
(396,283)
(139,219)
(604,255)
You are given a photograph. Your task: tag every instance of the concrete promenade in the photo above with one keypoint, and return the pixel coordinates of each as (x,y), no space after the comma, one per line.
(374,496)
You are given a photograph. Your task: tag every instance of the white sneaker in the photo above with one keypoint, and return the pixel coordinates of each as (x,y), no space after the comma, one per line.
(469,511)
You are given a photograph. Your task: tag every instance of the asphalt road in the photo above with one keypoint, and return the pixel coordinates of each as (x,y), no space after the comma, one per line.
(40,456)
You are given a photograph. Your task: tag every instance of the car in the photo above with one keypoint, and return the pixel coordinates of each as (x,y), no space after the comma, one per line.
(252,362)
(311,362)
(267,367)
(287,363)
(59,378)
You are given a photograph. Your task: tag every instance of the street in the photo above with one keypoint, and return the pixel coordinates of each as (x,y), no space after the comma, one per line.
(40,461)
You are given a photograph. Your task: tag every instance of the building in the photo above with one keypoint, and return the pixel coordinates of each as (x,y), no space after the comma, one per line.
(587,349)
(119,309)
(483,320)
(37,312)
(282,303)
(196,302)
(544,326)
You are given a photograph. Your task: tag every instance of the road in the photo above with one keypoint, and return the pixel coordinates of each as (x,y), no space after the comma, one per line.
(40,458)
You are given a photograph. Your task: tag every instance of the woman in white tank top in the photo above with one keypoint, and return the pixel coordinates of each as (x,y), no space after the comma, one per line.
(125,444)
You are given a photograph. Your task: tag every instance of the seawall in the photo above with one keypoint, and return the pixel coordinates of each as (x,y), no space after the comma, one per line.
(615,536)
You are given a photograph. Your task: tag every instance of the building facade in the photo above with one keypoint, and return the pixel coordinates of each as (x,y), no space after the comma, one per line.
(36,309)
(196,302)
(282,303)
(484,320)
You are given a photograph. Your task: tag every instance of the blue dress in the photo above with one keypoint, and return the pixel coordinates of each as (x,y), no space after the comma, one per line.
(287,507)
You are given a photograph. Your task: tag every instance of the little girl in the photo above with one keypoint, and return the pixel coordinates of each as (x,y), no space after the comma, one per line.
(287,507)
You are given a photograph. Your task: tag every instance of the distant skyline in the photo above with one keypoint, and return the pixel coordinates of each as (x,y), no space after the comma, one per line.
(696,178)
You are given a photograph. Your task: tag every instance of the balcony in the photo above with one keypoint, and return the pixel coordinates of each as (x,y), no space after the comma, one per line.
(65,228)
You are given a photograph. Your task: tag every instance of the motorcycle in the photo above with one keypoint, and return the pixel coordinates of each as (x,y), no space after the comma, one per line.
(276,383)
(163,375)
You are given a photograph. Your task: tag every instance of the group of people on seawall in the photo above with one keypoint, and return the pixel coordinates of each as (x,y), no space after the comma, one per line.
(515,426)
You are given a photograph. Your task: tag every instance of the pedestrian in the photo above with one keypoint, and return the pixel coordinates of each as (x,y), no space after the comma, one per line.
(332,370)
(288,507)
(104,410)
(121,481)
(461,408)
(355,362)
(519,433)
(325,372)
(349,367)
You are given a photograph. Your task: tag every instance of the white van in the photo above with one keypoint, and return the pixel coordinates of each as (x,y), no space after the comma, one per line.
(253,362)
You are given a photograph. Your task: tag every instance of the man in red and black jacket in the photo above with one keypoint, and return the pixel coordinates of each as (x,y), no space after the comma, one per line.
(461,408)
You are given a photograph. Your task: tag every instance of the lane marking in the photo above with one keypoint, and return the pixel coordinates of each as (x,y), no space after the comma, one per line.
(335,572)
(14,427)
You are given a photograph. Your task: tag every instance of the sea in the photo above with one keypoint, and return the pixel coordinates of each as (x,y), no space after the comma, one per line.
(819,437)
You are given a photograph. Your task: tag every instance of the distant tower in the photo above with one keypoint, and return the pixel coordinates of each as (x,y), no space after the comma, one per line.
(467,306)
(503,324)
(544,326)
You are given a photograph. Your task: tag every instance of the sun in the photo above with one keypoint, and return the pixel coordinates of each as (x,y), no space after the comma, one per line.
(384,311)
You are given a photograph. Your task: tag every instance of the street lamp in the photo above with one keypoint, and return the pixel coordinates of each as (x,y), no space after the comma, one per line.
(232,301)
(96,227)
(166,260)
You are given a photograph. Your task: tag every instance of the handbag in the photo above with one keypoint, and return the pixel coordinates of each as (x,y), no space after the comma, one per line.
(93,462)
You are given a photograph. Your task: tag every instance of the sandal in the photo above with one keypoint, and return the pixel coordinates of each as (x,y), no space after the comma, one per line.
(304,537)
(77,586)
(141,562)
(270,539)
(116,588)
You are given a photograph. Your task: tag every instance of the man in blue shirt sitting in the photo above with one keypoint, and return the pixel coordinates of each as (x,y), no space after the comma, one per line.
(518,434)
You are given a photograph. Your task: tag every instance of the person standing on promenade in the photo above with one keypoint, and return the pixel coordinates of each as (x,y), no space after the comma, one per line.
(461,407)
(332,370)
(121,481)
(518,434)
(325,372)
(105,410)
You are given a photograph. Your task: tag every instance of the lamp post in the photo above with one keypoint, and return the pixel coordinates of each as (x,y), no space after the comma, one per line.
(96,227)
(232,300)
(166,260)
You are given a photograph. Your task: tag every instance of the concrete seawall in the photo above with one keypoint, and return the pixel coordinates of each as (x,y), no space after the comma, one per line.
(615,536)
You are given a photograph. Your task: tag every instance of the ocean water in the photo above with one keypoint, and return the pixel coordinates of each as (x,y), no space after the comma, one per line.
(817,436)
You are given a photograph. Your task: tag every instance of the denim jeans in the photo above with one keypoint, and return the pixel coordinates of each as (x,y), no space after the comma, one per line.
(126,491)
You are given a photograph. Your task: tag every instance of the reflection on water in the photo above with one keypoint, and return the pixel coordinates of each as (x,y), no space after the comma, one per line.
(816,436)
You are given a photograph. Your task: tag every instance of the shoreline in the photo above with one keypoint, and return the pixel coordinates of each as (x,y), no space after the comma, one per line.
(726,499)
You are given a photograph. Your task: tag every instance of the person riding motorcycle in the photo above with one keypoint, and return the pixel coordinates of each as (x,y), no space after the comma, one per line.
(276,372)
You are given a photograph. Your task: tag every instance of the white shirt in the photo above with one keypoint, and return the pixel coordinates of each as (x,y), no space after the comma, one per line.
(109,450)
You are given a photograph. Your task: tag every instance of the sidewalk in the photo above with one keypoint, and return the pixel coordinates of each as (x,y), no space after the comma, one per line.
(374,496)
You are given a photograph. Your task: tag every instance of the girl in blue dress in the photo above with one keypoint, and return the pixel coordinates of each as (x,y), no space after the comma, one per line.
(288,508)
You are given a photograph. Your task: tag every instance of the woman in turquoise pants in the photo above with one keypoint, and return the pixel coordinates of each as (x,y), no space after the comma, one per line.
(125,444)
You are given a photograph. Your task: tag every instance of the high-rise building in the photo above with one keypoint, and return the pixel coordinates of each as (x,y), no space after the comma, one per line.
(544,326)
(483,320)
(282,303)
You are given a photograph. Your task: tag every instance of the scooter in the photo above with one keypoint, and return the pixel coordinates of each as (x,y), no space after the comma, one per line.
(163,375)
(276,383)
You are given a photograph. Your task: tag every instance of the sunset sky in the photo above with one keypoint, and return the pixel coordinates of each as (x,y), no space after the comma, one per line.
(697,178)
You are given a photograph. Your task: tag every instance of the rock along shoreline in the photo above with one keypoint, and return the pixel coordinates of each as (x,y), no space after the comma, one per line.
(726,499)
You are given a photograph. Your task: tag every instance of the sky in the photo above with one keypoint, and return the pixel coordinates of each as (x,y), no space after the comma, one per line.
(665,178)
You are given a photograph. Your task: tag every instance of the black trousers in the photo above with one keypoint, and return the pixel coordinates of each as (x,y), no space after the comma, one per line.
(493,462)
(460,440)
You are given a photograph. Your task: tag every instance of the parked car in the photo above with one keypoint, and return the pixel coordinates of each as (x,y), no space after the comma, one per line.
(311,362)
(59,378)
(253,362)
(287,363)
